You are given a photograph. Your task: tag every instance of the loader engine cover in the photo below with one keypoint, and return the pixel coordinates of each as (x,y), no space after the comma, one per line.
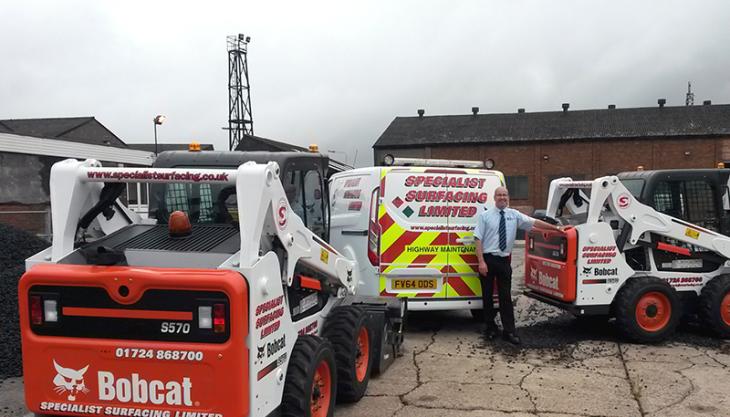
(550,263)
(130,341)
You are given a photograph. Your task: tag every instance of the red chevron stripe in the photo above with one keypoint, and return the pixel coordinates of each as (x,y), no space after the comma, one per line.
(422,259)
(385,222)
(424,295)
(448,269)
(392,253)
(441,239)
(469,259)
(460,287)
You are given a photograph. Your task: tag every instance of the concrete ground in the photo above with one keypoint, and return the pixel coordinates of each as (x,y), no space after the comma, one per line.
(564,368)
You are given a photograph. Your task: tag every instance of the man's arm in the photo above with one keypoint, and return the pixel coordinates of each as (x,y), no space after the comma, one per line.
(546,226)
(480,257)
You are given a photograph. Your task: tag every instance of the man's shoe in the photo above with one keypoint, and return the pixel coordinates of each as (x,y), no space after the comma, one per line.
(512,338)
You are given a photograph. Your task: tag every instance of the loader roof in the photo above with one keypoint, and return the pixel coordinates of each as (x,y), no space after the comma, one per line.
(222,159)
(669,173)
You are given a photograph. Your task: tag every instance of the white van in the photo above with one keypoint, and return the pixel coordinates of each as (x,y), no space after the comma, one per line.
(411,229)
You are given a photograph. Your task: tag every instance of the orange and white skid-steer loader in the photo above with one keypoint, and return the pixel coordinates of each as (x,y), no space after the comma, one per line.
(621,258)
(242,312)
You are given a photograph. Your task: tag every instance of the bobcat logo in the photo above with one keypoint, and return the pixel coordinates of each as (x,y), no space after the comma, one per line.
(587,270)
(69,380)
(261,351)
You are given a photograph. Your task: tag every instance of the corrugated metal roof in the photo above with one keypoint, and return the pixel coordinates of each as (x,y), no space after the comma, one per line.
(64,149)
(698,121)
(73,129)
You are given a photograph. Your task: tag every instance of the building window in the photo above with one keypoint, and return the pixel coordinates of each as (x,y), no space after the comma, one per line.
(518,186)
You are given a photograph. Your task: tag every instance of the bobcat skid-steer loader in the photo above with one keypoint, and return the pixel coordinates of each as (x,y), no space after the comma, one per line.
(225,304)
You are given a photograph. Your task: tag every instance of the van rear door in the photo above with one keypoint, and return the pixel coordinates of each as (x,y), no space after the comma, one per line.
(470,192)
(411,264)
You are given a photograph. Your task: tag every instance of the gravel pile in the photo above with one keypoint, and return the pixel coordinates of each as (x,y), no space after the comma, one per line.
(15,246)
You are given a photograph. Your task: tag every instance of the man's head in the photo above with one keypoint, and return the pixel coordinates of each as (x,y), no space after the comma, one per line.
(501,197)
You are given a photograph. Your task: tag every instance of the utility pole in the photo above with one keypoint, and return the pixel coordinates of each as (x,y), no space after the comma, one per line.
(690,100)
(240,117)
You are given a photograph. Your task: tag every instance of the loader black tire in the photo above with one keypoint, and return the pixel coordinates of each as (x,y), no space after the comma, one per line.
(310,387)
(714,306)
(647,310)
(348,329)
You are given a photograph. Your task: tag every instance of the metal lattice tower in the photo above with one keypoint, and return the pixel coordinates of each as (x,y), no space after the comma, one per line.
(690,101)
(240,118)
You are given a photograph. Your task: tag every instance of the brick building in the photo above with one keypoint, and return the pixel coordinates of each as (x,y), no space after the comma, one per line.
(531,149)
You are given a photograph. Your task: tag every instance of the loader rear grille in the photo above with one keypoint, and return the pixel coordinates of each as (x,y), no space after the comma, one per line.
(203,239)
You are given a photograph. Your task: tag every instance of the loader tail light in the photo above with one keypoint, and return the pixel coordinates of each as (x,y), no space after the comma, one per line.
(219,318)
(36,310)
(374,229)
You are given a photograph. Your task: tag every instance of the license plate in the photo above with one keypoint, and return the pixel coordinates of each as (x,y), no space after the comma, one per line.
(413,284)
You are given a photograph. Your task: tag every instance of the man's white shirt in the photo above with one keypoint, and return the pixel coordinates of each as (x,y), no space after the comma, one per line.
(487,229)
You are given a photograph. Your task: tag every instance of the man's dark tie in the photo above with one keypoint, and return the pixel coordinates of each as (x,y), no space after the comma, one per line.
(502,232)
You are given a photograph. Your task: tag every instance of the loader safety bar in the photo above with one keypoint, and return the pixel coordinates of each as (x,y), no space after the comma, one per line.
(157,175)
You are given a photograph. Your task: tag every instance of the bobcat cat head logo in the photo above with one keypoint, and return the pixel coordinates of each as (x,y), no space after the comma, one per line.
(69,380)
(587,270)
(261,351)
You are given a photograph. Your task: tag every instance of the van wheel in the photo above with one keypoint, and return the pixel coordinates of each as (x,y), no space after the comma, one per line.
(714,306)
(647,310)
(311,380)
(348,329)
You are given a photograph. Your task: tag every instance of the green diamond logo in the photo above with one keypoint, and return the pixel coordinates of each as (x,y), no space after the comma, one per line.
(408,211)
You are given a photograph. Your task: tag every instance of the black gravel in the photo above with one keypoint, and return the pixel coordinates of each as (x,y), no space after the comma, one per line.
(15,246)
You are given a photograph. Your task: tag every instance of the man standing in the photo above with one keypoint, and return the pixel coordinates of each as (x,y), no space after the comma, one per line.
(495,234)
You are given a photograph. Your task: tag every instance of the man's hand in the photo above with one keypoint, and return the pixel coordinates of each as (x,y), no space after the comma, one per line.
(483,269)
(547,226)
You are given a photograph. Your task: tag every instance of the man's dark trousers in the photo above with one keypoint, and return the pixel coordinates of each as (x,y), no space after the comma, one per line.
(498,268)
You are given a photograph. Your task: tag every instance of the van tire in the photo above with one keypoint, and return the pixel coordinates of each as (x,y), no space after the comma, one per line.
(348,329)
(311,379)
(647,310)
(714,306)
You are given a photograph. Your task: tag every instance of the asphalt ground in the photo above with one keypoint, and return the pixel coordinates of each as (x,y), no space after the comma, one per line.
(563,368)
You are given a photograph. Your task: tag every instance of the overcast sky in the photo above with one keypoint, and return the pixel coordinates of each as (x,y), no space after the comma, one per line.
(337,73)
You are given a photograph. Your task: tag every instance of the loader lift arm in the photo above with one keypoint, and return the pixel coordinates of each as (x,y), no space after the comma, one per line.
(637,219)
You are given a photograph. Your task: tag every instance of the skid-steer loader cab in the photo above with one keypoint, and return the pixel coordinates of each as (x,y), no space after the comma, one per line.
(302,174)
(699,196)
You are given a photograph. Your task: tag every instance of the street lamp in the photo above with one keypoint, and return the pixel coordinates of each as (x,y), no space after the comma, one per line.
(158,120)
